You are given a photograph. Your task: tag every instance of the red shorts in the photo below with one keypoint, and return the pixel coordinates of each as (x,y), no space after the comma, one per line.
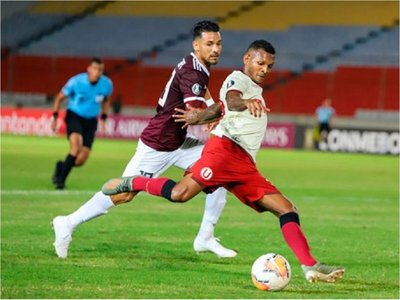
(225,163)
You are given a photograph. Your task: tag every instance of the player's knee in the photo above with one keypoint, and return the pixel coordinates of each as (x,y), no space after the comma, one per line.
(179,194)
(288,209)
(74,151)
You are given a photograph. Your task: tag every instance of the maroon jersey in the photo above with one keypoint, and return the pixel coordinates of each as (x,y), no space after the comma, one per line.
(187,86)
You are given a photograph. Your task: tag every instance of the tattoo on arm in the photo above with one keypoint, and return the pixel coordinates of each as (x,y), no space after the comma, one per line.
(210,114)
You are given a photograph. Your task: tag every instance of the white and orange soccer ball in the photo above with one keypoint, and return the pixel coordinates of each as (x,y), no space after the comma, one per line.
(270,272)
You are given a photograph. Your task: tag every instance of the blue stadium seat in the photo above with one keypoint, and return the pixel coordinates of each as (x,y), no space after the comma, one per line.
(127,36)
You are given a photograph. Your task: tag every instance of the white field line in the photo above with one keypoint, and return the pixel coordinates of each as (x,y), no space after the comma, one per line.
(46,192)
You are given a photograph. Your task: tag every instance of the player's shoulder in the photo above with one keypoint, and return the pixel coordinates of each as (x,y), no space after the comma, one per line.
(236,78)
(191,65)
(106,80)
(239,75)
(78,78)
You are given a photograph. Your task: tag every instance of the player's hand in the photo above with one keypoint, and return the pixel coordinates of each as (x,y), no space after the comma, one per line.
(256,108)
(189,117)
(102,126)
(53,124)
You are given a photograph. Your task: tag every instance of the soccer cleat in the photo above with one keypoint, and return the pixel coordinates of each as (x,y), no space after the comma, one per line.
(118,185)
(212,244)
(60,185)
(322,272)
(57,172)
(63,234)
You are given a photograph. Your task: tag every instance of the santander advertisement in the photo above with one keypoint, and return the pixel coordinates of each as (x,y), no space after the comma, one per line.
(37,122)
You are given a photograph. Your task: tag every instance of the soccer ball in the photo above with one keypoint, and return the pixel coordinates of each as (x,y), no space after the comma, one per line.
(270,272)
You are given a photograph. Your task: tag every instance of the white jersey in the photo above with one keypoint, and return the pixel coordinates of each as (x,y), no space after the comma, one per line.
(240,126)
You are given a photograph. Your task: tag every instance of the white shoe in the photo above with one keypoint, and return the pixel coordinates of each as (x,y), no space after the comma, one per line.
(322,272)
(63,233)
(212,244)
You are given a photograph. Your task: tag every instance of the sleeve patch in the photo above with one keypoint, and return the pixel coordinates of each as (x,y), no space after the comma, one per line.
(230,83)
(196,89)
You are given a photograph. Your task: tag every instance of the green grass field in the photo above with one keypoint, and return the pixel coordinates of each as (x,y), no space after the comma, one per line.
(348,203)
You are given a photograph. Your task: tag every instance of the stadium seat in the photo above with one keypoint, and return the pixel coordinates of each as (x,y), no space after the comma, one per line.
(334,48)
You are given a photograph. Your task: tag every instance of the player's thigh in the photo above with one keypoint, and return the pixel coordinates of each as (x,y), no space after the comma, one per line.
(148,162)
(251,187)
(188,156)
(75,143)
(89,132)
(74,123)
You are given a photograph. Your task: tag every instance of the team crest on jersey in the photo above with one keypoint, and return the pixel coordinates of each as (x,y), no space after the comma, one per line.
(196,89)
(229,84)
(206,173)
(99,98)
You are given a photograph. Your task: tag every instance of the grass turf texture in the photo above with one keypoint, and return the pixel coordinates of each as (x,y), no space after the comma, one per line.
(348,206)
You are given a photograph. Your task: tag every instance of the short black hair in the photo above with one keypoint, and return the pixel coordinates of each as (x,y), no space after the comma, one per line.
(96,60)
(204,26)
(262,44)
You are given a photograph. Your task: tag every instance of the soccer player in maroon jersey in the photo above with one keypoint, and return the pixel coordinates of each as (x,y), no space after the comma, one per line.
(164,143)
(228,159)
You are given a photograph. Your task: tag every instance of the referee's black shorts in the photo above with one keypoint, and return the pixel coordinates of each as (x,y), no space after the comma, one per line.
(85,127)
(324,127)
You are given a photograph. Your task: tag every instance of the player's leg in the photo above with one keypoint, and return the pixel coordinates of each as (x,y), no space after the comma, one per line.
(215,202)
(205,239)
(76,144)
(65,225)
(280,206)
(75,130)
(185,189)
(164,187)
(88,135)
(82,156)
(99,204)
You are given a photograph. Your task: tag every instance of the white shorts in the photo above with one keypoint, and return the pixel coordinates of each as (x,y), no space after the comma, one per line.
(152,163)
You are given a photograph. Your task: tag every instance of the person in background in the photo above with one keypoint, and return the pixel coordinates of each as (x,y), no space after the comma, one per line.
(88,97)
(324,113)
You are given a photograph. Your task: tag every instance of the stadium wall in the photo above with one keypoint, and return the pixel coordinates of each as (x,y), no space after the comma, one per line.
(36,122)
(278,135)
(350,87)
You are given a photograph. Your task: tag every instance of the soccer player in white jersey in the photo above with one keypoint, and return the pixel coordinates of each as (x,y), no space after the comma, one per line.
(228,159)
(164,143)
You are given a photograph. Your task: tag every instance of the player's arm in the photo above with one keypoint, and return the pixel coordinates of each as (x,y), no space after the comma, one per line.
(210,101)
(105,108)
(235,102)
(194,116)
(56,108)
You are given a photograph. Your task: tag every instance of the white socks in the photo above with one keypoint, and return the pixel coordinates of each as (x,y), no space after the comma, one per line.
(215,203)
(96,206)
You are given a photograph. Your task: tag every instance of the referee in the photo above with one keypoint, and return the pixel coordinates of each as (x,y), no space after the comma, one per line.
(88,95)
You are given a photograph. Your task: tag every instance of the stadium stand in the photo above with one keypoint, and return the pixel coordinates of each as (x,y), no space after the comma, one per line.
(324,48)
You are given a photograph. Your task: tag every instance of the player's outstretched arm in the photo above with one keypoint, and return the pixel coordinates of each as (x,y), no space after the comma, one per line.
(194,116)
(236,103)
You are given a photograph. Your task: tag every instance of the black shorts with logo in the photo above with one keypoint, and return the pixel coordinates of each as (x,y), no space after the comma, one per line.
(85,127)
